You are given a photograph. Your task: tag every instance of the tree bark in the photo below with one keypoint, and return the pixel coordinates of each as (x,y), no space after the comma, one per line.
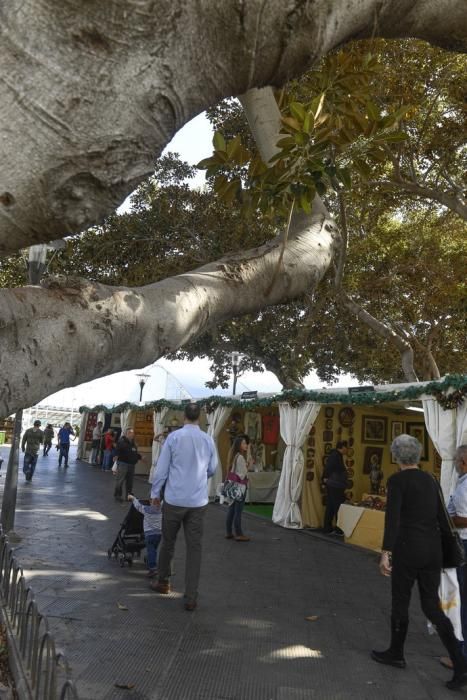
(283,374)
(447,199)
(384,331)
(91,92)
(73,331)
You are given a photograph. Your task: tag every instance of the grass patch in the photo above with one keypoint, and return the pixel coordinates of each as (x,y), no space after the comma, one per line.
(263,509)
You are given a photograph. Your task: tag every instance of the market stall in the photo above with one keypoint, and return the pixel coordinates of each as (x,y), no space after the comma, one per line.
(291,435)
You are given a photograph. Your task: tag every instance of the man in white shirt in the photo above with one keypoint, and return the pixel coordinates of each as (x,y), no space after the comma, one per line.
(457,509)
(187,459)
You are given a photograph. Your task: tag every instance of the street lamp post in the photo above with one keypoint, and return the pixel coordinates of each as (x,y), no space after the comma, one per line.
(142,379)
(235,363)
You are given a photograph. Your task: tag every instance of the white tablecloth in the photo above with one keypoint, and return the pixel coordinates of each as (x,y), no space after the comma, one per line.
(262,487)
(348,518)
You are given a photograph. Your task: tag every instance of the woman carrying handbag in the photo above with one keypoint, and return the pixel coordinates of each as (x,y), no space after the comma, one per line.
(416,524)
(238,472)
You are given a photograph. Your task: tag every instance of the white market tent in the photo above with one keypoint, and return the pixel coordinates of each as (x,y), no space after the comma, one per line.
(444,405)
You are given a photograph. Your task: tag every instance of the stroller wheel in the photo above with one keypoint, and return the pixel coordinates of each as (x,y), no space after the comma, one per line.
(121,559)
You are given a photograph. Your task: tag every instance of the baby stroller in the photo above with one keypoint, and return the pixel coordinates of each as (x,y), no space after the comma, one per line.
(130,538)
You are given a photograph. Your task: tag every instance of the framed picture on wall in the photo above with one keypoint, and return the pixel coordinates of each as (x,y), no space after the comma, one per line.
(373,459)
(418,430)
(374,429)
(397,428)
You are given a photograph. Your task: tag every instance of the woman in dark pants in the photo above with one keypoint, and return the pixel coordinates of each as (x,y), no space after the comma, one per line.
(239,466)
(414,518)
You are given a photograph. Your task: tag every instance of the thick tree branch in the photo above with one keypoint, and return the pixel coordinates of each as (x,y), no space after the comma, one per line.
(384,331)
(450,201)
(91,92)
(71,332)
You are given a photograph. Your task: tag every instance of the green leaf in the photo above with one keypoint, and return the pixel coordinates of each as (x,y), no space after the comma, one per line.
(345,177)
(363,168)
(305,202)
(307,123)
(218,141)
(394,137)
(206,163)
(298,111)
(220,184)
(372,111)
(291,123)
(231,191)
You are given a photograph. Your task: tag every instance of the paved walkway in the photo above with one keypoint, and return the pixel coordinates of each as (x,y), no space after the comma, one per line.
(248,640)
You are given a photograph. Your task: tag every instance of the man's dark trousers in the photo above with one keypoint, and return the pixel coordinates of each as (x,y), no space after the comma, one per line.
(193,523)
(335,498)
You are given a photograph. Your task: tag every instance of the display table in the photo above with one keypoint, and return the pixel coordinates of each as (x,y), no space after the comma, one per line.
(262,487)
(361,526)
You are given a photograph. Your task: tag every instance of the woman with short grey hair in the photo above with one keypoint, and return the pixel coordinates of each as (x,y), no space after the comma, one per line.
(412,552)
(406,449)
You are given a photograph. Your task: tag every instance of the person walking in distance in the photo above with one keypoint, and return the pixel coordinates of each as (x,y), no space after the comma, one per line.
(48,437)
(188,458)
(109,447)
(335,481)
(30,445)
(64,443)
(127,456)
(96,442)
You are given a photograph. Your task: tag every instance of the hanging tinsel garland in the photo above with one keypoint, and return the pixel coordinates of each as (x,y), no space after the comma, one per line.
(449,393)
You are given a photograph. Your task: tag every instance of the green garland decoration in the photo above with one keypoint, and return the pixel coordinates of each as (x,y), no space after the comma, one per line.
(449,393)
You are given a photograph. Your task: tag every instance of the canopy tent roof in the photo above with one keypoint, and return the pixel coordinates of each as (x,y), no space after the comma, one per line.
(449,391)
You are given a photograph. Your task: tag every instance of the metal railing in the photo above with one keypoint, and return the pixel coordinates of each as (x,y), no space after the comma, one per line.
(46,671)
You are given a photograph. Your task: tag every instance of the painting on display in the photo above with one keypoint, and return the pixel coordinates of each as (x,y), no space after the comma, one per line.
(374,429)
(397,428)
(418,430)
(372,465)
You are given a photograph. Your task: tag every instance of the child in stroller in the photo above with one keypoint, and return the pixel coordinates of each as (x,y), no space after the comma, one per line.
(141,528)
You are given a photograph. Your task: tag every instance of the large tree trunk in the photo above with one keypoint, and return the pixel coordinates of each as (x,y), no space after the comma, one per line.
(92,91)
(72,332)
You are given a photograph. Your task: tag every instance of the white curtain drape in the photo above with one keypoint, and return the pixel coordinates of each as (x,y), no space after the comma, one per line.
(159,425)
(216,421)
(441,426)
(82,431)
(295,424)
(461,422)
(125,419)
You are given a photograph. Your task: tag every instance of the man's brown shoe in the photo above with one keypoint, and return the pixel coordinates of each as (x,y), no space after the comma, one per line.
(160,587)
(242,538)
(191,605)
(229,537)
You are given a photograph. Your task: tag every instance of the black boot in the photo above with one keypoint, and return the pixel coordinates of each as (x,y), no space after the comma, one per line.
(453,647)
(394,656)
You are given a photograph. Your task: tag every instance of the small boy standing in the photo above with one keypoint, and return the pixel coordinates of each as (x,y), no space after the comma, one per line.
(152,525)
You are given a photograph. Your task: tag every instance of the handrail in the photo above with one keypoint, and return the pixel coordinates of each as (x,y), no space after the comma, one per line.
(46,671)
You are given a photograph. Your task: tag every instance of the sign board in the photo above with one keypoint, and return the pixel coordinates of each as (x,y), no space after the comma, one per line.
(360,389)
(249,395)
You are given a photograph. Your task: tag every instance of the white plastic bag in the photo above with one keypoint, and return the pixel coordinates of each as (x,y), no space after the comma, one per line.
(450,601)
(114,467)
